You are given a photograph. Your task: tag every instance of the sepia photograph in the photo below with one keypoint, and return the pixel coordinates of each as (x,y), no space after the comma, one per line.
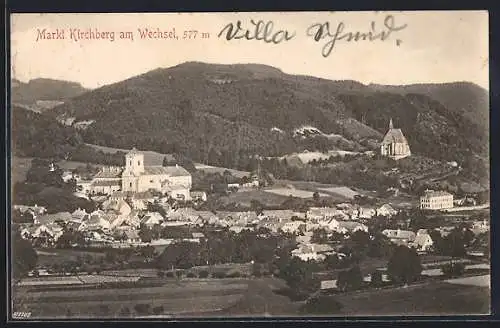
(249,165)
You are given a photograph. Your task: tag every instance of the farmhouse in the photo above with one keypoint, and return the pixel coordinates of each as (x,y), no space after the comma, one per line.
(400,237)
(394,145)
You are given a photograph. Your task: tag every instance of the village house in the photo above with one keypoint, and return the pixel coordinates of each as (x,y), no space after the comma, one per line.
(53,218)
(53,231)
(349,227)
(399,237)
(151,219)
(423,241)
(294,227)
(199,196)
(366,212)
(436,200)
(33,210)
(314,252)
(318,213)
(394,145)
(386,210)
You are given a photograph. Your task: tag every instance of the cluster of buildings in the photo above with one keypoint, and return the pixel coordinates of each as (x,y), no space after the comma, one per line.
(136,177)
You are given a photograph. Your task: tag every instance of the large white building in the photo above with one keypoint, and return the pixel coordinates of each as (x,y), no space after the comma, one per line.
(436,200)
(136,177)
(394,144)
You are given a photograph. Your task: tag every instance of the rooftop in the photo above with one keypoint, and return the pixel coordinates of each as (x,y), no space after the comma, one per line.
(434,193)
(394,136)
(173,171)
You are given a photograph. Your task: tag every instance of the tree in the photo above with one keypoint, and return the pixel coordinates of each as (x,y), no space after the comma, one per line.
(404,265)
(453,269)
(319,236)
(256,206)
(376,278)
(316,197)
(145,234)
(24,257)
(351,279)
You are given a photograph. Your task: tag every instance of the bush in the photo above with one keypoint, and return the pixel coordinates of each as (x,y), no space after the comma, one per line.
(142,309)
(160,274)
(453,269)
(376,278)
(191,275)
(219,275)
(158,310)
(203,274)
(169,274)
(234,274)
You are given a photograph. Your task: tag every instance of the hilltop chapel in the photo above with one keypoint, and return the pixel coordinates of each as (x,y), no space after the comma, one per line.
(394,145)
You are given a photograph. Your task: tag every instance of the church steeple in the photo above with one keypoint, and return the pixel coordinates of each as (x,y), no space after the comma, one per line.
(391,126)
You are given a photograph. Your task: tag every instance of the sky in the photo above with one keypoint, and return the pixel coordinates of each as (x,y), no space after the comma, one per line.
(434,47)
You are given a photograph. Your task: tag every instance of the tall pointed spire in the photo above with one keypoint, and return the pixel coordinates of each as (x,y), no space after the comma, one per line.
(391,126)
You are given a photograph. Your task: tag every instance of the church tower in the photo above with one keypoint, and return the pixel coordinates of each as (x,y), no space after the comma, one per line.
(134,162)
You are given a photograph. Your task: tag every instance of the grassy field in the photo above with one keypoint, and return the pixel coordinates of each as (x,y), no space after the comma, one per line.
(47,257)
(244,198)
(294,192)
(19,168)
(437,298)
(192,297)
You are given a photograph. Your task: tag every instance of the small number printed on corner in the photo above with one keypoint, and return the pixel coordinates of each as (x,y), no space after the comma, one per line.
(21,315)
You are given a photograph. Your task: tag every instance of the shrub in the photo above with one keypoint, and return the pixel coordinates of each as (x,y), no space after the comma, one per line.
(158,309)
(219,275)
(203,274)
(453,269)
(376,278)
(169,274)
(142,308)
(160,274)
(191,275)
(234,274)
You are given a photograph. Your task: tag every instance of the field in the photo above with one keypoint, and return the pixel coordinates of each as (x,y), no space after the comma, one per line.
(188,297)
(244,198)
(19,168)
(438,298)
(293,192)
(342,191)
(47,257)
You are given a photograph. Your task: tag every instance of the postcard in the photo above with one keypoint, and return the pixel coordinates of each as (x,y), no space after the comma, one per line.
(249,164)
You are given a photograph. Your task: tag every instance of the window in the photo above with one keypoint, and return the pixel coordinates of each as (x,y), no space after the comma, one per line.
(130,163)
(131,185)
(139,163)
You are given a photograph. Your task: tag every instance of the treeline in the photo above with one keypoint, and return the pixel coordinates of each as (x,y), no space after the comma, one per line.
(45,187)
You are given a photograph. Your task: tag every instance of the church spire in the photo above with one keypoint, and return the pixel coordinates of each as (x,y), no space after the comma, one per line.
(391,126)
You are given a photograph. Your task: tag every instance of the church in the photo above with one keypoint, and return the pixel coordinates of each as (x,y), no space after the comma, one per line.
(394,145)
(137,177)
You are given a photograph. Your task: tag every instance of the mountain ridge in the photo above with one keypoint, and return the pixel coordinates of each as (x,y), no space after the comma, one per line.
(210,109)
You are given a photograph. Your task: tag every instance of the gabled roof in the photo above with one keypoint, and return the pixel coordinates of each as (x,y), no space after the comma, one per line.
(394,136)
(173,171)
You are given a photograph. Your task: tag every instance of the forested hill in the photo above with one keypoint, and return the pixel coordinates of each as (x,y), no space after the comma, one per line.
(211,111)
(43,94)
(37,135)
